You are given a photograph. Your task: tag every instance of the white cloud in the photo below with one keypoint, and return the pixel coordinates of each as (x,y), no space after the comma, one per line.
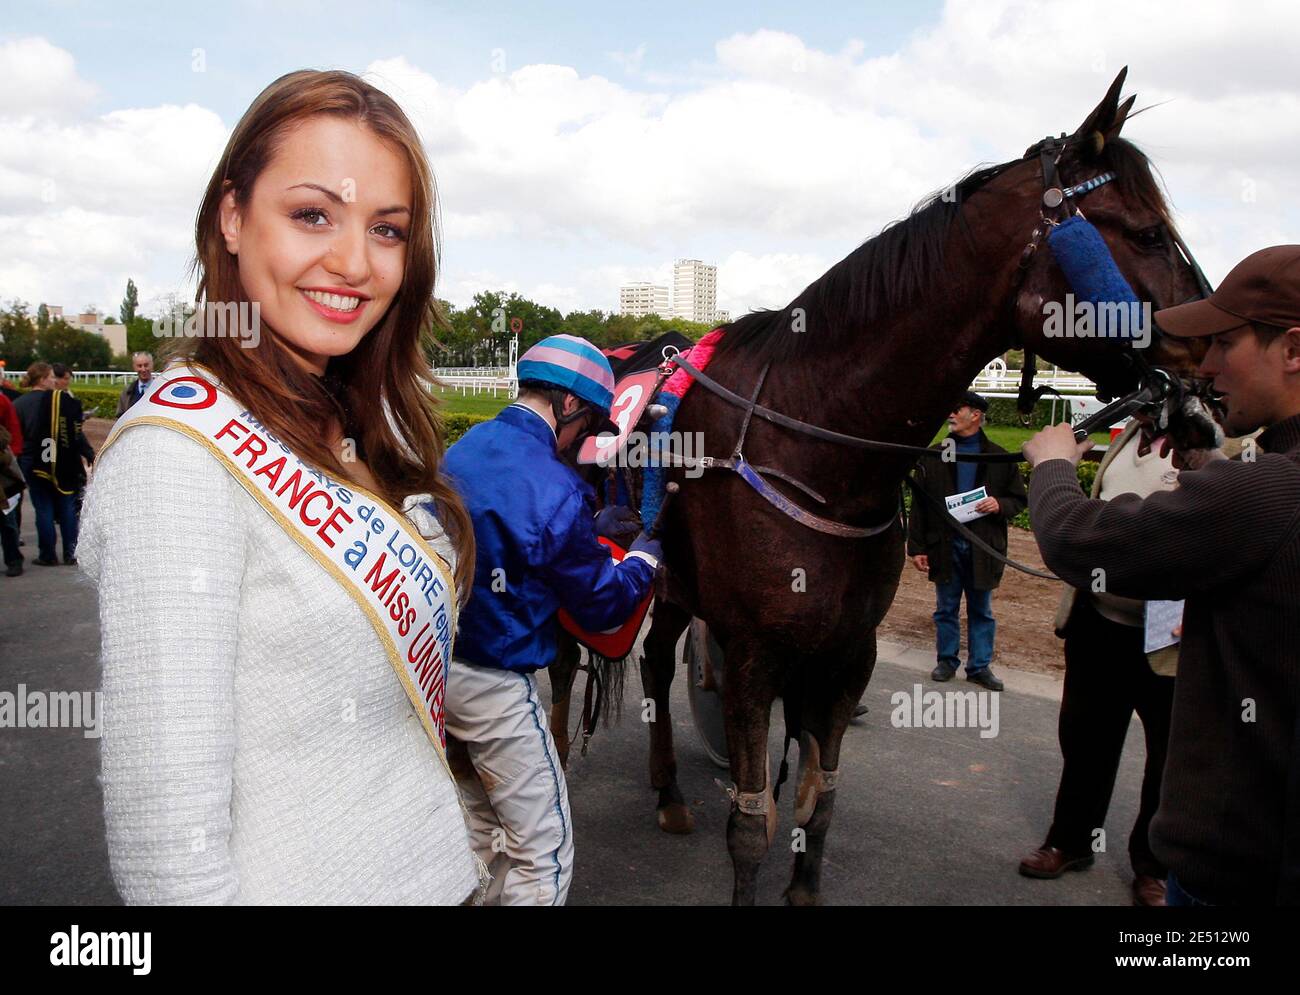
(747,282)
(38,79)
(89,200)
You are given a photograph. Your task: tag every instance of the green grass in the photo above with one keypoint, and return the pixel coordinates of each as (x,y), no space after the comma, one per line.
(1012,437)
(483,404)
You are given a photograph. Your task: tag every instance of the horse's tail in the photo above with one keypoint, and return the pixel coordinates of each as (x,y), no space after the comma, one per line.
(608,675)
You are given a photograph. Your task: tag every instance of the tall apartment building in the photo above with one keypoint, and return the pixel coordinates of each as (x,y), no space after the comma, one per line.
(641,299)
(695,291)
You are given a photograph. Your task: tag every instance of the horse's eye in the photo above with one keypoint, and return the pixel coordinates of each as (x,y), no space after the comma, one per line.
(1150,238)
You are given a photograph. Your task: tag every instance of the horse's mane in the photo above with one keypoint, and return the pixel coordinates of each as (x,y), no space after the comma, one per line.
(895,268)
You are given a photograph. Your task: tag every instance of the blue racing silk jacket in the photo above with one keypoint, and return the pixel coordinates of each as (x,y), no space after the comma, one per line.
(537,548)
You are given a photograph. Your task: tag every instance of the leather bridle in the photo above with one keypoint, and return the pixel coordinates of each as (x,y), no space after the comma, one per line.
(1056,205)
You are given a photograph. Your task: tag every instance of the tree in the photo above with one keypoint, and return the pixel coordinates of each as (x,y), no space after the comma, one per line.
(589,325)
(479,334)
(140,336)
(19,336)
(42,318)
(61,343)
(129,303)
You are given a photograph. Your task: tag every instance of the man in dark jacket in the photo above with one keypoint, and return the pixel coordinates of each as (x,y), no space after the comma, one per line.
(953,564)
(137,388)
(1227,542)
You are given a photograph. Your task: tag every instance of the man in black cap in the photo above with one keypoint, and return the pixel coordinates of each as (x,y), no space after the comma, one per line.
(950,561)
(1227,541)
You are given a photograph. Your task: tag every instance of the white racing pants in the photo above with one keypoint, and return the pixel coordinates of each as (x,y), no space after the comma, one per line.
(516,796)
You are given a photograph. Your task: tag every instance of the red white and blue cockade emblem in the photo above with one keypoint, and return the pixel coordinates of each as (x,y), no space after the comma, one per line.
(186,392)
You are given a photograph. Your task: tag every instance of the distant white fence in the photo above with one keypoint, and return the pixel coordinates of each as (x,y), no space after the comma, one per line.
(996,376)
(102,378)
(472,381)
(465,380)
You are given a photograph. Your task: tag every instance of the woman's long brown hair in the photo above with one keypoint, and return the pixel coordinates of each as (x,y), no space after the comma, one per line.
(387,381)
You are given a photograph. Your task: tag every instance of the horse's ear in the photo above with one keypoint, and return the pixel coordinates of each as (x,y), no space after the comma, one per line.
(1105,120)
(1121,116)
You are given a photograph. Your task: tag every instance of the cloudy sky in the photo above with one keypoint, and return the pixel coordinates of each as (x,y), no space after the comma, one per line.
(579,146)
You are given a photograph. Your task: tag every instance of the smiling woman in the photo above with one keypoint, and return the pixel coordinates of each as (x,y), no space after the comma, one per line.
(277,609)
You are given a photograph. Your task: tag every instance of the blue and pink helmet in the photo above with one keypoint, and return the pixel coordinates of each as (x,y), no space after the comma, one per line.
(574,365)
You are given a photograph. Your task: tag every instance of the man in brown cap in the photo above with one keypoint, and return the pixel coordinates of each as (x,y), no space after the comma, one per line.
(1227,541)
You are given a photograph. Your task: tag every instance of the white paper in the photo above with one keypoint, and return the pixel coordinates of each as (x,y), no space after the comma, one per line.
(12,503)
(962,506)
(1161,617)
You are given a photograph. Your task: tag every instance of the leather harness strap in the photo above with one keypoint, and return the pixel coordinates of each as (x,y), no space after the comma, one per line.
(827,435)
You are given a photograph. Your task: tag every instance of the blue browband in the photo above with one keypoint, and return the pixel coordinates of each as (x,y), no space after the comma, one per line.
(1081,188)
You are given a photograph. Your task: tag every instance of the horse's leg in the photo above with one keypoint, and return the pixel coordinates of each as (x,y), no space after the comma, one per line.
(831,689)
(562,672)
(749,690)
(657,668)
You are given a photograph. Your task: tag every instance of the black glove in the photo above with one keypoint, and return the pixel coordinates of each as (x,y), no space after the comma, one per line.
(644,544)
(616,520)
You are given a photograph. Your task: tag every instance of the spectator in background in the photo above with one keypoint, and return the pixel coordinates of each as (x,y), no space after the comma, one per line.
(11,479)
(1109,676)
(143,363)
(954,567)
(51,463)
(76,412)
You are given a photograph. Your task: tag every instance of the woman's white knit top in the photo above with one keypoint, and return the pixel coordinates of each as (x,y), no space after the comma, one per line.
(257,746)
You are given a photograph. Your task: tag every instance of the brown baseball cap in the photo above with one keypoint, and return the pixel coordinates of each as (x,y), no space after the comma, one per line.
(1263,287)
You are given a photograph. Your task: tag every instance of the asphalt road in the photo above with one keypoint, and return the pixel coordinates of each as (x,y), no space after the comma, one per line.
(923,816)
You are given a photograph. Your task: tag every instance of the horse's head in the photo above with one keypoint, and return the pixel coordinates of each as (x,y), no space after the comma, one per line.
(1130,213)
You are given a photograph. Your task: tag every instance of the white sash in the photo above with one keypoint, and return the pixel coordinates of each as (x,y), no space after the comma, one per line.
(401,584)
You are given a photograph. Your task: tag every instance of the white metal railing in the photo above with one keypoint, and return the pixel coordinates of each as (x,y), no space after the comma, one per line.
(471,371)
(471,381)
(996,376)
(86,378)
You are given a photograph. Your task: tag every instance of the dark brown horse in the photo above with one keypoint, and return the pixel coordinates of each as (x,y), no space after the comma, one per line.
(879,347)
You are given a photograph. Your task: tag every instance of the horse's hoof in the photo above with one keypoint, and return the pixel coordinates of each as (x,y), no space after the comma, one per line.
(801,898)
(676,819)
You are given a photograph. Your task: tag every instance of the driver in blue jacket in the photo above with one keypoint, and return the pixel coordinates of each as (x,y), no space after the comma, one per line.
(535,530)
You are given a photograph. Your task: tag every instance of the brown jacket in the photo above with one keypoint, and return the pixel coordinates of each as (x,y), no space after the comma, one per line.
(1228,542)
